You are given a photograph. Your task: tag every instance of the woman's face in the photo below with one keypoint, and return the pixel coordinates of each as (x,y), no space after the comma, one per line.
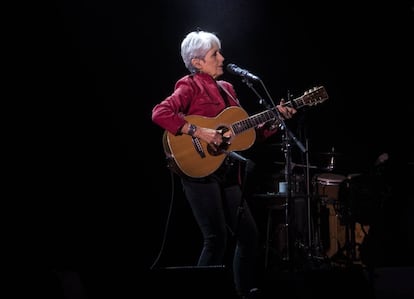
(211,64)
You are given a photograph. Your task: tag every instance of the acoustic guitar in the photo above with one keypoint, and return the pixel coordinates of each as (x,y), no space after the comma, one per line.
(194,158)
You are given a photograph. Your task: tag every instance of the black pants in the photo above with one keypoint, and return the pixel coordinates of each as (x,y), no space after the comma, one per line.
(220,212)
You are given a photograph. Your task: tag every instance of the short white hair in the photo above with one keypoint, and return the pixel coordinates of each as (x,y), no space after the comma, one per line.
(196,45)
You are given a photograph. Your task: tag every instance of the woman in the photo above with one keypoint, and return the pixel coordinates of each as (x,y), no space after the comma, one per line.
(215,198)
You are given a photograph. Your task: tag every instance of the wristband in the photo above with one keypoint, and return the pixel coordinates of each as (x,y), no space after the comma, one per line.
(191,129)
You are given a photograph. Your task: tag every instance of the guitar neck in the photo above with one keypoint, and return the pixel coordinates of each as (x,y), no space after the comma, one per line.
(262,117)
(313,97)
(253,121)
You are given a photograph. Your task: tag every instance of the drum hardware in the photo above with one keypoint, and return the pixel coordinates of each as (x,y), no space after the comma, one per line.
(338,228)
(297,237)
(347,252)
(288,139)
(293,164)
(355,231)
(332,153)
(281,231)
(329,160)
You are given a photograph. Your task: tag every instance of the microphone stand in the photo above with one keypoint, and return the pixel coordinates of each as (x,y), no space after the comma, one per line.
(248,167)
(287,137)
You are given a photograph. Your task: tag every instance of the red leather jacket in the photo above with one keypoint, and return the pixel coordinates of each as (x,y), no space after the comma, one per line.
(196,94)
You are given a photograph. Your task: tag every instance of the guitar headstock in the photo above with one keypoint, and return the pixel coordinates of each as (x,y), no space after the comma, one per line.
(315,96)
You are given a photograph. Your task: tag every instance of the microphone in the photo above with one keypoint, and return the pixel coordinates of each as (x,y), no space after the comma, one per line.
(249,163)
(237,157)
(235,70)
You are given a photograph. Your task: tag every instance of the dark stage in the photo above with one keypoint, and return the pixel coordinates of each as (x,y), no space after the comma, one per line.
(189,282)
(109,218)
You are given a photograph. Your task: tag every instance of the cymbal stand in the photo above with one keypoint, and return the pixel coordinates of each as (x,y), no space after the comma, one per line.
(308,198)
(313,246)
(289,206)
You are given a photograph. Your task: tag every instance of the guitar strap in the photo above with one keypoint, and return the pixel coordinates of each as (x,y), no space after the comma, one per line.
(224,93)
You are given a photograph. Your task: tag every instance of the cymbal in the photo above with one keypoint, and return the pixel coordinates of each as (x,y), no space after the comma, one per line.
(330,153)
(303,165)
(293,164)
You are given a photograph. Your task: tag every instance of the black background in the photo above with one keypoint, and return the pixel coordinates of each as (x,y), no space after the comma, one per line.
(97,68)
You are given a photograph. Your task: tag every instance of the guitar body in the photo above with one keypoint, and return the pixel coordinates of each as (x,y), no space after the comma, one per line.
(182,150)
(192,157)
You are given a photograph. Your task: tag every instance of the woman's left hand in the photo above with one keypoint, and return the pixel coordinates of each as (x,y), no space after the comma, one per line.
(286,111)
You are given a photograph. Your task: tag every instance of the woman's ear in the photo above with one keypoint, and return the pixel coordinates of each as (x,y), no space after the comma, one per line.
(196,63)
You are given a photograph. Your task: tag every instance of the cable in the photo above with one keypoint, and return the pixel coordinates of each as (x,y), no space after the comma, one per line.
(172,174)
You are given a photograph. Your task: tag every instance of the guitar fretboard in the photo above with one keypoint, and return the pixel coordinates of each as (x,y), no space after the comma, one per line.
(248,123)
(317,95)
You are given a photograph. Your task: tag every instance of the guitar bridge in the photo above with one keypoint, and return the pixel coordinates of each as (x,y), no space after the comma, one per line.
(198,147)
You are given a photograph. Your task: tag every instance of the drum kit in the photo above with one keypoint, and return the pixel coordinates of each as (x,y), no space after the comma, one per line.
(332,230)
